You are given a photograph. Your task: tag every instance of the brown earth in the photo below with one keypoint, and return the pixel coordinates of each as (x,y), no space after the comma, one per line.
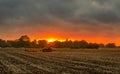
(60,61)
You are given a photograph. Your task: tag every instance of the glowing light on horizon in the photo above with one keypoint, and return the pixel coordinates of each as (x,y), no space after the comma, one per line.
(88,39)
(51,40)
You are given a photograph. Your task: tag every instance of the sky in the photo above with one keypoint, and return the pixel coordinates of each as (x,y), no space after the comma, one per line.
(91,20)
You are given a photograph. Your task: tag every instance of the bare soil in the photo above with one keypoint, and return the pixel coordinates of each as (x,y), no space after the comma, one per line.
(60,61)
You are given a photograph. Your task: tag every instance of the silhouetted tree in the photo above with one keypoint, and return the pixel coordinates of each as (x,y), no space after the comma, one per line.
(101,45)
(67,44)
(42,43)
(34,44)
(80,44)
(56,44)
(76,44)
(93,45)
(24,41)
(3,43)
(110,45)
(11,43)
(24,38)
(83,44)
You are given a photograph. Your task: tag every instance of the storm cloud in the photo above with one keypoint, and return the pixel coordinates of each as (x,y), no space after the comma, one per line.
(73,17)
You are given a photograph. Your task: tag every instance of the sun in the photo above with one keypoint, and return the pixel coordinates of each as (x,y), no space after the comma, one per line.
(51,40)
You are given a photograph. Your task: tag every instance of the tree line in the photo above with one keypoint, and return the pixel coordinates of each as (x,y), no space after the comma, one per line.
(24,41)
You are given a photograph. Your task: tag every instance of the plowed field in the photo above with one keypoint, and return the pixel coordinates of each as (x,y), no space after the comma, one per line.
(60,61)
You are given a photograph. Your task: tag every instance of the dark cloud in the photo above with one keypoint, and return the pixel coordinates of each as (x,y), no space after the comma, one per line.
(73,16)
(40,10)
(106,16)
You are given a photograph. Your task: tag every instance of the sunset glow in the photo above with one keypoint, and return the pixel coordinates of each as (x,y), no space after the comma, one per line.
(58,20)
(42,30)
(103,40)
(51,40)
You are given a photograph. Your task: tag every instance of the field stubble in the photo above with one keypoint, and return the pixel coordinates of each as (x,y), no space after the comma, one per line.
(60,61)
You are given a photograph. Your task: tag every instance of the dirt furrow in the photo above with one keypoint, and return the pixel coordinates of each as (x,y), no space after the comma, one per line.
(25,66)
(3,68)
(77,65)
(14,62)
(81,67)
(59,67)
(91,63)
(8,67)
